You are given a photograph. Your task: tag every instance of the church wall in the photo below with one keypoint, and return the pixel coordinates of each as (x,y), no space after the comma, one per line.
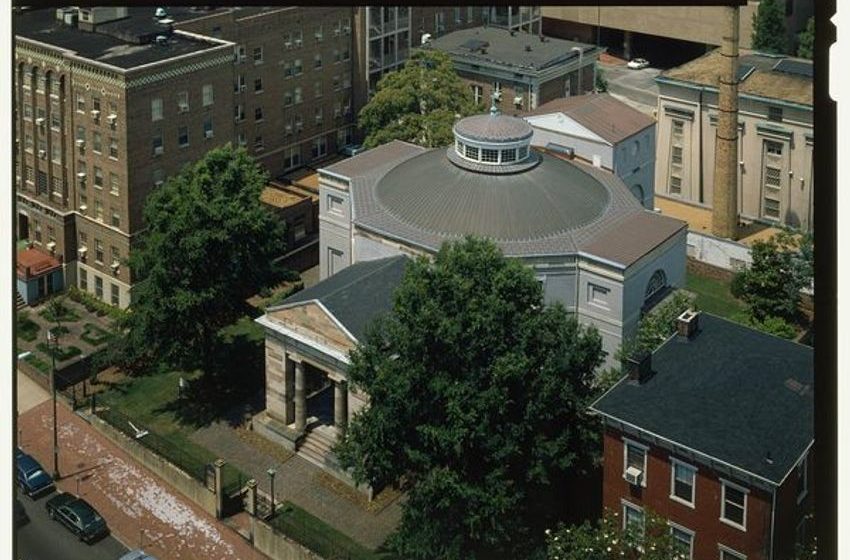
(368,249)
(334,230)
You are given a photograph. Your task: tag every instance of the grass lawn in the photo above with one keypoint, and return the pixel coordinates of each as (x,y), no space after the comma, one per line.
(713,296)
(318,536)
(94,335)
(27,328)
(149,401)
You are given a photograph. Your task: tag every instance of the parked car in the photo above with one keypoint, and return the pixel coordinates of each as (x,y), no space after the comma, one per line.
(638,63)
(137,555)
(32,480)
(21,517)
(77,515)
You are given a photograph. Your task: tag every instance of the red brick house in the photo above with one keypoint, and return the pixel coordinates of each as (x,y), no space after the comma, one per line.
(713,431)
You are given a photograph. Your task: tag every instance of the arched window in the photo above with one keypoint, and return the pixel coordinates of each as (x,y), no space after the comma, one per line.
(657,282)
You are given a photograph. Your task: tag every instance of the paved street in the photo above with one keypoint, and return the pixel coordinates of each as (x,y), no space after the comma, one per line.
(138,506)
(44,539)
(637,86)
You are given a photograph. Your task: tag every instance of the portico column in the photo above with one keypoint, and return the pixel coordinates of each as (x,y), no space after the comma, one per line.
(341,405)
(300,398)
(288,389)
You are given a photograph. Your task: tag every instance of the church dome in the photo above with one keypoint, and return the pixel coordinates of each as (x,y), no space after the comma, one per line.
(494,143)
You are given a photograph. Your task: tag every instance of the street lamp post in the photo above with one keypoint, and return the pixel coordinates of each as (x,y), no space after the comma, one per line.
(271,472)
(51,337)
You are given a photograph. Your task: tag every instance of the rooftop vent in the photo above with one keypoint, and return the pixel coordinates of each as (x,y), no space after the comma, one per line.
(687,324)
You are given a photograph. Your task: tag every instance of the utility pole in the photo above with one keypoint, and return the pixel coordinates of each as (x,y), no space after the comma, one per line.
(54,338)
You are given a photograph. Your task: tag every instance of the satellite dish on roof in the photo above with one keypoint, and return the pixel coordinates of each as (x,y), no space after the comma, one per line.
(160,13)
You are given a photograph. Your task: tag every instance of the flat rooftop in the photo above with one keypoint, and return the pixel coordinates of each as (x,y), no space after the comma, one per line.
(519,50)
(116,43)
(775,77)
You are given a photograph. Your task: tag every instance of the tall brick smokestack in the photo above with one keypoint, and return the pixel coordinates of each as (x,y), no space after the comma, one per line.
(724,222)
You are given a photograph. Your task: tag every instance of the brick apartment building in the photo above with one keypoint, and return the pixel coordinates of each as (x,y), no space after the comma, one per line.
(715,439)
(101,118)
(111,101)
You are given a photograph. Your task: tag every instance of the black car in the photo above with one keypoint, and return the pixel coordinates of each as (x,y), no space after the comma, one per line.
(77,515)
(32,480)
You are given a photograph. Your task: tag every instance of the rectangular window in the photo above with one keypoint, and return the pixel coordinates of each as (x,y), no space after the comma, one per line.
(241,139)
(259,145)
(97,142)
(598,295)
(297,67)
(678,127)
(114,294)
(207,94)
(258,55)
(683,539)
(98,287)
(317,61)
(113,147)
(634,461)
(98,210)
(729,554)
(98,177)
(477,93)
(320,35)
(509,155)
(58,187)
(632,515)
(30,173)
(774,114)
(208,127)
(116,219)
(676,156)
(156,109)
(258,114)
(239,113)
(81,103)
(682,482)
(287,69)
(317,89)
(258,85)
(240,83)
(182,101)
(55,117)
(773,148)
(297,95)
(472,152)
(183,136)
(98,251)
(56,152)
(84,279)
(287,98)
(771,208)
(675,185)
(113,184)
(318,115)
(320,147)
(772,177)
(489,156)
(156,143)
(95,104)
(734,505)
(116,255)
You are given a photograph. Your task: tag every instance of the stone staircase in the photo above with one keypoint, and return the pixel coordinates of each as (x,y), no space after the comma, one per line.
(19,301)
(317,444)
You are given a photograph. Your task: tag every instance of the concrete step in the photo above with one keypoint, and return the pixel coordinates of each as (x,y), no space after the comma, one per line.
(19,301)
(317,446)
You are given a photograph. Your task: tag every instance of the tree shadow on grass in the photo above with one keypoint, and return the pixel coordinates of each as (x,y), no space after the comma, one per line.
(232,384)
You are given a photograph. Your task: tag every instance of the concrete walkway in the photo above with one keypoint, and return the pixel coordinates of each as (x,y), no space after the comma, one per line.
(300,482)
(30,393)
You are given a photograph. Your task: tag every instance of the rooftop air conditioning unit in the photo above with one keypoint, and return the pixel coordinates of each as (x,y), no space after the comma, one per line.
(634,476)
(81,252)
(51,246)
(39,121)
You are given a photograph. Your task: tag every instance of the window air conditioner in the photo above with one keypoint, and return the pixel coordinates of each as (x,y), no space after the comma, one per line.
(288,44)
(497,95)
(42,154)
(115,266)
(51,246)
(158,151)
(297,42)
(83,208)
(81,175)
(112,118)
(39,121)
(95,113)
(158,183)
(183,107)
(81,142)
(243,87)
(208,134)
(81,252)
(517,100)
(634,476)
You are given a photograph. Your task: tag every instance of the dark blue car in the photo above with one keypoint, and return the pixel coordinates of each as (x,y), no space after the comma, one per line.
(32,479)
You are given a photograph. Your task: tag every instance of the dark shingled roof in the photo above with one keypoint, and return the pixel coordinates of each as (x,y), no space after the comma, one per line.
(601,113)
(113,43)
(357,294)
(495,128)
(731,393)
(510,50)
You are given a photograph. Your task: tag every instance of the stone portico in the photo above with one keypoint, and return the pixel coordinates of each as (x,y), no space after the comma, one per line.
(309,401)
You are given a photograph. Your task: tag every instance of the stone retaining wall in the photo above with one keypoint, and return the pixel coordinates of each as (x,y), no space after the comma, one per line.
(276,545)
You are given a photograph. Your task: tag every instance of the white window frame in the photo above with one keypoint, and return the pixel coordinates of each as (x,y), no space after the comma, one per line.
(207,95)
(721,549)
(683,529)
(673,463)
(626,443)
(724,483)
(625,504)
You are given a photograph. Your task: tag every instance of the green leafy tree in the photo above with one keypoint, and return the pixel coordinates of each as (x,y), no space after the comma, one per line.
(207,247)
(657,326)
(782,266)
(769,27)
(600,83)
(806,40)
(478,397)
(418,103)
(606,540)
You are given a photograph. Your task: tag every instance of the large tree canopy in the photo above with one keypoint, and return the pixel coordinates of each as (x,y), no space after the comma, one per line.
(769,27)
(478,397)
(208,246)
(418,103)
(806,40)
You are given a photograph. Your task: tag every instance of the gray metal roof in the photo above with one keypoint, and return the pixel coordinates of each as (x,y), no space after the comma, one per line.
(420,198)
(731,393)
(357,294)
(493,128)
(510,50)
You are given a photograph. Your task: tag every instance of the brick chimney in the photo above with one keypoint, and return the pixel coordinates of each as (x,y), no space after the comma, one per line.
(639,367)
(687,325)
(724,220)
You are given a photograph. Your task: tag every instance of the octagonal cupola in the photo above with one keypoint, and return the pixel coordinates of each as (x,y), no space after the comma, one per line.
(493,143)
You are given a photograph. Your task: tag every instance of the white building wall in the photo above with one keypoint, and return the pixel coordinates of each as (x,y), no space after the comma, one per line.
(634,163)
(334,229)
(722,253)
(584,148)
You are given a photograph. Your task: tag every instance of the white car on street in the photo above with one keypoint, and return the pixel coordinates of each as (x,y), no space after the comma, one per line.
(638,63)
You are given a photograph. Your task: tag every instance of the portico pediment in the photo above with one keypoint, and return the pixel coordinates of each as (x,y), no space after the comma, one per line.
(312,321)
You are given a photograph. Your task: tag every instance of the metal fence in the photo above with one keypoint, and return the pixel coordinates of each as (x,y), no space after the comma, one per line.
(194,465)
(285,520)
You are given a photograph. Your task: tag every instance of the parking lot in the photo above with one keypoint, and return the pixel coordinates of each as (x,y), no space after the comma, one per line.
(636,86)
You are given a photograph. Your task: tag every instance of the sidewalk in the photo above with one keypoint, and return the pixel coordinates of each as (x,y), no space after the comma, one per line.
(302,483)
(30,393)
(141,510)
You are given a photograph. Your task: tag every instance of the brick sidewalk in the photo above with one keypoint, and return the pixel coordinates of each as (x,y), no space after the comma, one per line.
(137,505)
